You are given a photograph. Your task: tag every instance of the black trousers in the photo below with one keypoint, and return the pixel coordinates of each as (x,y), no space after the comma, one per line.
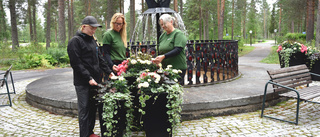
(87,110)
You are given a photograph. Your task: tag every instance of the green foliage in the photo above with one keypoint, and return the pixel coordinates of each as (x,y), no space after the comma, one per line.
(34,60)
(295,36)
(59,54)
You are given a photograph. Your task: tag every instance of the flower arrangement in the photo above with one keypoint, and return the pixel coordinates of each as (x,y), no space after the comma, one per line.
(287,48)
(162,81)
(151,81)
(136,63)
(115,95)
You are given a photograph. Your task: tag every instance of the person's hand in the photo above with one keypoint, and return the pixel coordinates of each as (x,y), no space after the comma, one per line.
(115,68)
(159,59)
(92,82)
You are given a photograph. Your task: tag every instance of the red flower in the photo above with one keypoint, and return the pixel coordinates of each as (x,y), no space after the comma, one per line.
(279,48)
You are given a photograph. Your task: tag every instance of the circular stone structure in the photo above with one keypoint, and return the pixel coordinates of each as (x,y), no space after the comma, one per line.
(57,94)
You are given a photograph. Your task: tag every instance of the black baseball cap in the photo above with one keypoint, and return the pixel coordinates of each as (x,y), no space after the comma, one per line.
(90,20)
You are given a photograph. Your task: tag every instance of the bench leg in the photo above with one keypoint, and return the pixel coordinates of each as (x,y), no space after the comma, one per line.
(264,99)
(14,89)
(10,103)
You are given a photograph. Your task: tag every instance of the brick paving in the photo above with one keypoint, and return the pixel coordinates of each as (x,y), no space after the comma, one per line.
(23,120)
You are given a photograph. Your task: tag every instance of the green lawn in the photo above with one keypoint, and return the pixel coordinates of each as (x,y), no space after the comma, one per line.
(245,50)
(273,57)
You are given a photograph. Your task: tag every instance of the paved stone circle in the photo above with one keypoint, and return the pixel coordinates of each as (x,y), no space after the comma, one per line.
(23,120)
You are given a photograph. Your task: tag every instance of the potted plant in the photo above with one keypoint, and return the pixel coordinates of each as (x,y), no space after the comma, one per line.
(160,98)
(292,53)
(117,106)
(153,91)
(313,63)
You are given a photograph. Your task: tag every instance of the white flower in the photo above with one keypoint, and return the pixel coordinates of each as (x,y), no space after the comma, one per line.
(145,84)
(176,80)
(133,61)
(295,48)
(179,71)
(147,70)
(160,70)
(169,66)
(142,61)
(121,78)
(114,77)
(149,62)
(149,80)
(175,71)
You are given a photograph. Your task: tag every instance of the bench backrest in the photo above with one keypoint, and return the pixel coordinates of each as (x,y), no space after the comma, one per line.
(291,77)
(5,76)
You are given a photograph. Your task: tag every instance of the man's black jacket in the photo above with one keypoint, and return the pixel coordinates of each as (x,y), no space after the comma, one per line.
(85,59)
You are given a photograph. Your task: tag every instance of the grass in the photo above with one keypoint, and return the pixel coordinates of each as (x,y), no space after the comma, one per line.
(245,50)
(273,57)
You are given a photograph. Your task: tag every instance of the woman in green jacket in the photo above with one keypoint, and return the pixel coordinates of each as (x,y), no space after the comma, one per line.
(171,46)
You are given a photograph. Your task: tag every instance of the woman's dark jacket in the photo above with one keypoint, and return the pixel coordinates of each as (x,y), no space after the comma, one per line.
(85,59)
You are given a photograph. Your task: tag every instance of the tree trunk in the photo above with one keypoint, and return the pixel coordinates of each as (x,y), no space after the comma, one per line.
(200,21)
(244,20)
(3,28)
(142,6)
(110,11)
(181,8)
(218,14)
(310,20)
(72,19)
(14,30)
(30,20)
(280,15)
(292,26)
(89,8)
(221,19)
(232,26)
(132,16)
(34,21)
(264,23)
(175,3)
(62,26)
(318,27)
(48,36)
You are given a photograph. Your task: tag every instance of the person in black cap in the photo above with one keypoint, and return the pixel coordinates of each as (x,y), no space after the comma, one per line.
(87,64)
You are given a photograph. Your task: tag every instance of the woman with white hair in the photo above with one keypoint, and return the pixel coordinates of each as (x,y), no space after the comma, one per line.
(171,46)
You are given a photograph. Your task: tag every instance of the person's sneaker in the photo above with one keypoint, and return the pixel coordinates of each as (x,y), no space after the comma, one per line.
(94,135)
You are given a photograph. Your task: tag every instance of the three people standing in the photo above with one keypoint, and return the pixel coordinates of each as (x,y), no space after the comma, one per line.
(88,64)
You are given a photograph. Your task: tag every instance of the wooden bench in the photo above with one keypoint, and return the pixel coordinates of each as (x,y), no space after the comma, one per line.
(285,80)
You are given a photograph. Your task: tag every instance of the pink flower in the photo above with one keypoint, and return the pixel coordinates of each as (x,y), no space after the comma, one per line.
(304,49)
(279,48)
(143,75)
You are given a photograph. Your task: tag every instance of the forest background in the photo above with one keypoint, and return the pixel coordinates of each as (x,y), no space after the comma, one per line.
(51,23)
